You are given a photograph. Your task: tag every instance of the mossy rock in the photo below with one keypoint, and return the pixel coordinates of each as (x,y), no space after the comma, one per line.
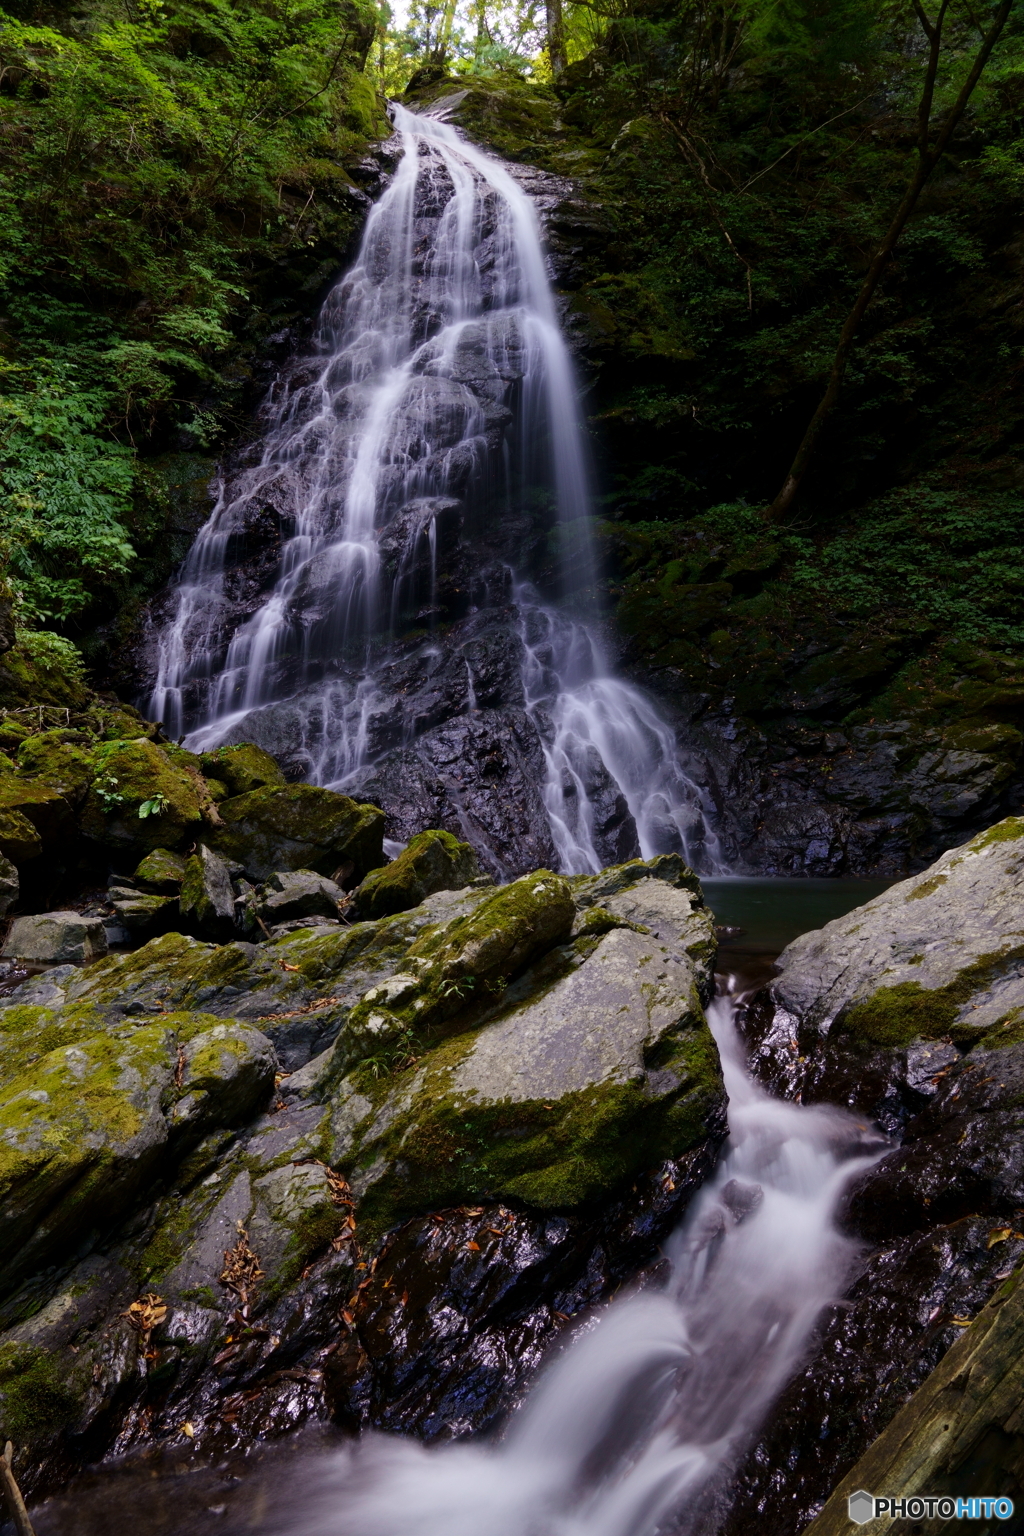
(64,767)
(139,799)
(161,871)
(42,668)
(595,1065)
(431,861)
(300,826)
(464,964)
(10,886)
(109,721)
(85,1126)
(43,808)
(242,768)
(895,1016)
(19,840)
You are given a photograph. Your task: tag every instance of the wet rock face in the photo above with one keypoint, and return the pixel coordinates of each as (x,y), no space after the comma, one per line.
(909,1010)
(798,791)
(481,1116)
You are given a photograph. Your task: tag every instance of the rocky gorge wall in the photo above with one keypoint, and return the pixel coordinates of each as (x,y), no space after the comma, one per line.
(842,749)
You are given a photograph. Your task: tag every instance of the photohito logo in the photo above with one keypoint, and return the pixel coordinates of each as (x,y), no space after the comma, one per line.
(864,1506)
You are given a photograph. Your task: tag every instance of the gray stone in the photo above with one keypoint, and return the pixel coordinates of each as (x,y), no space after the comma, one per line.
(10,887)
(207,900)
(56,937)
(143,915)
(963,914)
(292,894)
(601,1045)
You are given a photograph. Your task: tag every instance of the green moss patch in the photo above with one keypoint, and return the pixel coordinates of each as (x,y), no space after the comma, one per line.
(431,861)
(1008,831)
(927,887)
(36,1396)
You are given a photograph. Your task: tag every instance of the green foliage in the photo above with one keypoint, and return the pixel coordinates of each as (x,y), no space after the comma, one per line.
(162,161)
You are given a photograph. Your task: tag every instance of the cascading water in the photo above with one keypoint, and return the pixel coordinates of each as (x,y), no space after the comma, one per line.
(634,1430)
(440,402)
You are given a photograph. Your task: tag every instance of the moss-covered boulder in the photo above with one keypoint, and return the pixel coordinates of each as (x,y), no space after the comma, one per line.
(207,901)
(467,962)
(431,861)
(33,816)
(242,768)
(42,668)
(936,956)
(300,826)
(595,1064)
(139,800)
(300,987)
(86,1125)
(161,872)
(142,913)
(57,758)
(19,840)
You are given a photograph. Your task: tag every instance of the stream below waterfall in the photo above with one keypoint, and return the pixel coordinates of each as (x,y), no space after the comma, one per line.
(632,1428)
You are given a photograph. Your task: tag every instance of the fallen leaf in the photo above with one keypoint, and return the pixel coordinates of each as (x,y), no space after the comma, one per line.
(475,1247)
(286,967)
(962,1322)
(347,1317)
(998,1235)
(188,1429)
(405,1298)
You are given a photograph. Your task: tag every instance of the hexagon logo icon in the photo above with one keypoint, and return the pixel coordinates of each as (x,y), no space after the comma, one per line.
(861,1507)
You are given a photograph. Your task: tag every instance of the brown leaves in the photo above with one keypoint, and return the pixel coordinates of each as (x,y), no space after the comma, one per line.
(146,1314)
(286,967)
(241,1273)
(298,1013)
(1000,1235)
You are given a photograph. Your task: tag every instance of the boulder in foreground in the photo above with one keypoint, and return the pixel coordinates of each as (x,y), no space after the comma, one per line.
(56,938)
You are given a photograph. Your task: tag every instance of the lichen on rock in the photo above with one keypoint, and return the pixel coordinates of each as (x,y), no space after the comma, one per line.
(430,861)
(300,826)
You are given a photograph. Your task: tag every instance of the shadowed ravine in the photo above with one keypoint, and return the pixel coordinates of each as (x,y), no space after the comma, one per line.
(420,469)
(635,1429)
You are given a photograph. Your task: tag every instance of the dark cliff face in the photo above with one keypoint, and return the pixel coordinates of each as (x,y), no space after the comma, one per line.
(837,728)
(849,687)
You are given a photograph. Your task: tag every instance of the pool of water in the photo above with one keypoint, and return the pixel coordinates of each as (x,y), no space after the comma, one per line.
(760,915)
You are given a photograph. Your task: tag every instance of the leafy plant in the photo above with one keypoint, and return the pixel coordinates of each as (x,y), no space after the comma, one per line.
(154,806)
(108,790)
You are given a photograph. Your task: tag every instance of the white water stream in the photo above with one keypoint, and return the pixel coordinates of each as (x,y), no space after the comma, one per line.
(634,1429)
(439,371)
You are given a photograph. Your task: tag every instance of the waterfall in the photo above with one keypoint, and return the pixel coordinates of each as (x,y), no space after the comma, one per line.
(435,426)
(636,1427)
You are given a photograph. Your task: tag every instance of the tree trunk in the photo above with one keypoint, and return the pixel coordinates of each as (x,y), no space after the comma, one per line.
(928,159)
(556,36)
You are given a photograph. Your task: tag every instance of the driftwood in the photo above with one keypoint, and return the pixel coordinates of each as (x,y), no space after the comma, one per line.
(12,1494)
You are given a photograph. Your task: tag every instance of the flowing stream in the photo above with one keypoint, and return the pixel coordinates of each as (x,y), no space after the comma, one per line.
(440,395)
(635,1428)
